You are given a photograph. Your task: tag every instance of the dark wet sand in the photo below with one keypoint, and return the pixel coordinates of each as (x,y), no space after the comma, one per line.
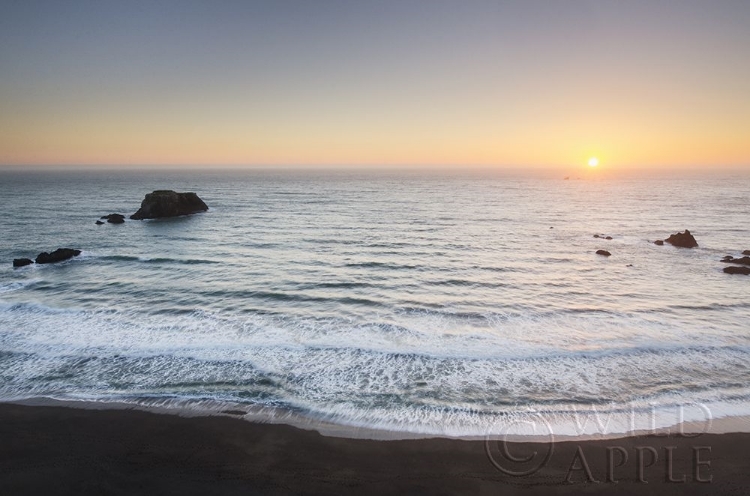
(57,450)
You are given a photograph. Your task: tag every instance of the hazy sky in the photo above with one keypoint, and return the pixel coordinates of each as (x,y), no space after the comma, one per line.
(526,83)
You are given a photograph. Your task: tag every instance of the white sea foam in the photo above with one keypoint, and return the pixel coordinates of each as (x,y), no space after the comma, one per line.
(7,287)
(429,374)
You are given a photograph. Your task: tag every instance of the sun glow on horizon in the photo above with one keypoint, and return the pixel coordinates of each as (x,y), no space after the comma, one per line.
(360,84)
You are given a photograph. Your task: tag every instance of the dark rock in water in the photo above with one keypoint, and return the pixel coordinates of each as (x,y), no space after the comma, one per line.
(57,256)
(659,242)
(114,218)
(22,262)
(682,240)
(737,270)
(608,238)
(746,252)
(167,203)
(597,236)
(98,223)
(739,261)
(603,252)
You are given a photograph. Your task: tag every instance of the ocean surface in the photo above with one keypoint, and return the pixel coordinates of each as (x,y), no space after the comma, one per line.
(430,304)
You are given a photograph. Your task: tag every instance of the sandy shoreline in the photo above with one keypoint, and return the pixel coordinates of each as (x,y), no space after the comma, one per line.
(599,427)
(61,450)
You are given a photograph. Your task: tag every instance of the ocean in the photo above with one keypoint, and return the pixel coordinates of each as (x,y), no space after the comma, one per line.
(425,304)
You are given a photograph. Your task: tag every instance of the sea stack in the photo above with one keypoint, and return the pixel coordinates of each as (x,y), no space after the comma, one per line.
(682,240)
(167,203)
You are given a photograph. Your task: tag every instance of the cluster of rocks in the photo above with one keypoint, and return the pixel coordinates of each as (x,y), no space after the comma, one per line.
(58,255)
(744,264)
(156,205)
(687,240)
(680,240)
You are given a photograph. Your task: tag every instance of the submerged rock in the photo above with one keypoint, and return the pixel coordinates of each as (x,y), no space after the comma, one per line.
(682,240)
(737,270)
(58,255)
(114,218)
(659,242)
(746,252)
(98,223)
(22,262)
(603,253)
(167,203)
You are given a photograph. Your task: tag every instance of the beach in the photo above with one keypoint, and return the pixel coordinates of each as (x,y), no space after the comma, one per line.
(60,450)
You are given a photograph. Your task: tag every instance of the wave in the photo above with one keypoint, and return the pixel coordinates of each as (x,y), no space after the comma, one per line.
(383,265)
(429,369)
(370,372)
(9,287)
(157,260)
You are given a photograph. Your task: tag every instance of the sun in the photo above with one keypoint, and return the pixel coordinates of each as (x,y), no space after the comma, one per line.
(593,162)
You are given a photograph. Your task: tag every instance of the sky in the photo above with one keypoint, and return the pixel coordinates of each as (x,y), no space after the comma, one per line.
(499,84)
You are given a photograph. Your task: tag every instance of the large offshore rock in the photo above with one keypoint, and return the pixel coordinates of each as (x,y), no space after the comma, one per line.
(167,203)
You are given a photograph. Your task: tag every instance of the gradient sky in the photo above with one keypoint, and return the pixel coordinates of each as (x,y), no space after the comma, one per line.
(469,83)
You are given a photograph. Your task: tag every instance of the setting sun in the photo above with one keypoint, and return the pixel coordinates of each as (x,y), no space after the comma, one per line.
(593,162)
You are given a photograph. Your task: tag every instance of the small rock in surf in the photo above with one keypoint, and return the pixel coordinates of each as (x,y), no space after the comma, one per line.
(114,218)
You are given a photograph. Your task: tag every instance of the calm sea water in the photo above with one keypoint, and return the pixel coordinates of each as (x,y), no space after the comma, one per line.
(436,305)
